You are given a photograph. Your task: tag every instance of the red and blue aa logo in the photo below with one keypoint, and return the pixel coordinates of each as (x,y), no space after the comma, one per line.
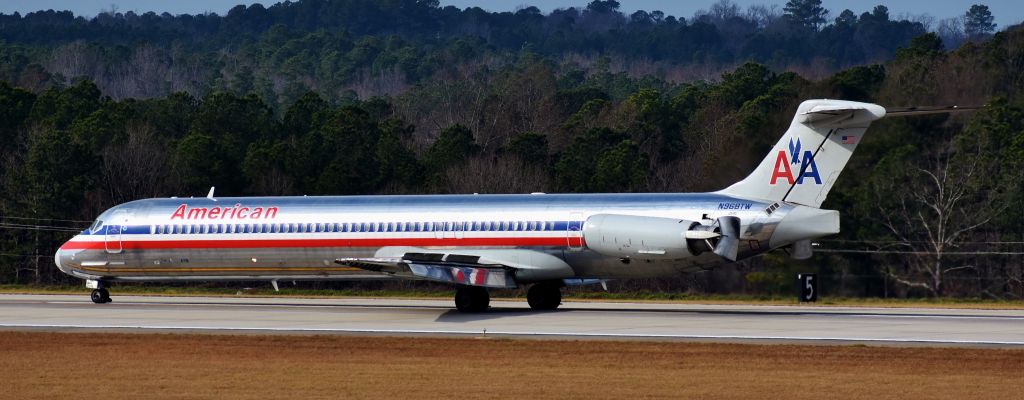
(783,170)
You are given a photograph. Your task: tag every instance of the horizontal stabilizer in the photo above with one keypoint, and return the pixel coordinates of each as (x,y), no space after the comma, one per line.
(911,111)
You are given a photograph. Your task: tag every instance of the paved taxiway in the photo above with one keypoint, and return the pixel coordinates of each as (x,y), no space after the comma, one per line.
(574,320)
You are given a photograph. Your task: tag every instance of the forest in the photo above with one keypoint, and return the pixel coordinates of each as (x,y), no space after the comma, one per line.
(319,97)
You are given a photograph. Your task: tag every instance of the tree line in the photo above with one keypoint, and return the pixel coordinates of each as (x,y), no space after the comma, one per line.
(345,49)
(930,205)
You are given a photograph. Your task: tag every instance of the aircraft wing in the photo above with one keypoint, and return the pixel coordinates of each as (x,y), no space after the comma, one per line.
(495,268)
(434,267)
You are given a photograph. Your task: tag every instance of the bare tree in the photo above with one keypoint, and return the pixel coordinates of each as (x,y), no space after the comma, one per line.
(137,168)
(506,174)
(951,30)
(931,209)
(763,15)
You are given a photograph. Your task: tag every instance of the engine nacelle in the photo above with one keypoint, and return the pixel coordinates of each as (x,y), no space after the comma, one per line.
(649,238)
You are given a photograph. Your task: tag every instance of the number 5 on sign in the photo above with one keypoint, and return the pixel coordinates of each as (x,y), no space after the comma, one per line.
(808,287)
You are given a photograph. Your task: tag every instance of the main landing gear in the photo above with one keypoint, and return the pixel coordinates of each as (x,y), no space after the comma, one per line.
(100,296)
(472,299)
(542,296)
(545,296)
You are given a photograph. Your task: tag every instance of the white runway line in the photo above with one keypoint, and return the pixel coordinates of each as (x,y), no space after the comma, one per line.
(511,333)
(636,321)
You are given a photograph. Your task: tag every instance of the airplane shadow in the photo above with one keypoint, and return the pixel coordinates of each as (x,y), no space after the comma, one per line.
(456,316)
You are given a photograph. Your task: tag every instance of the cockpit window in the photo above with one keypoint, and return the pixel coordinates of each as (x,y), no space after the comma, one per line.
(96,225)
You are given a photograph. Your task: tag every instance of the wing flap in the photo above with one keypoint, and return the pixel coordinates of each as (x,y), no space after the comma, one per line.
(438,267)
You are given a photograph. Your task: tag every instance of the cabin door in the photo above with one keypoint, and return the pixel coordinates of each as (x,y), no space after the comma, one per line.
(112,232)
(574,233)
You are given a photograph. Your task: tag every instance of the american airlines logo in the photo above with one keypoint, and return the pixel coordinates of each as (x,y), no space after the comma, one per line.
(237,212)
(807,167)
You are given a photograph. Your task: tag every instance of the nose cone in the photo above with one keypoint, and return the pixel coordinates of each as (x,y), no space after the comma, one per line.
(62,258)
(805,223)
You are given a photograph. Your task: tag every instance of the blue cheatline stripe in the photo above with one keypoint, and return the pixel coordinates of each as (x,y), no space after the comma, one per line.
(558,226)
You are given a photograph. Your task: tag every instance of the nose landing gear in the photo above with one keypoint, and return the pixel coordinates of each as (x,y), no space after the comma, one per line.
(100,296)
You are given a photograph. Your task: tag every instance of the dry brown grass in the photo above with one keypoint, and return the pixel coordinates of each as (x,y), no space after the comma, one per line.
(131,366)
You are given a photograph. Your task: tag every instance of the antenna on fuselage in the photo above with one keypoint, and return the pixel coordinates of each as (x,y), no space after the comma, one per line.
(210,195)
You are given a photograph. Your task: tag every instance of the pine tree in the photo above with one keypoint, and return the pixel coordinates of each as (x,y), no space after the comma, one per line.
(978,21)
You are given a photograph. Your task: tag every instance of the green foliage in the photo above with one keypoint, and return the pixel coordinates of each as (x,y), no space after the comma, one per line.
(858,83)
(602,160)
(530,147)
(924,46)
(452,147)
(978,21)
(806,13)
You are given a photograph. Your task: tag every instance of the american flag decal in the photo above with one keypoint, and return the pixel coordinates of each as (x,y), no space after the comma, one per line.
(849,139)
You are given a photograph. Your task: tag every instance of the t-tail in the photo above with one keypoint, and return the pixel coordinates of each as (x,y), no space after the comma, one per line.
(807,161)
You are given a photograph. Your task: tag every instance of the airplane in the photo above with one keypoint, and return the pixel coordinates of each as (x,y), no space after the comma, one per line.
(478,242)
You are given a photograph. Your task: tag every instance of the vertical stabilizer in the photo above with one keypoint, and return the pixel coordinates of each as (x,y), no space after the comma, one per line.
(806,162)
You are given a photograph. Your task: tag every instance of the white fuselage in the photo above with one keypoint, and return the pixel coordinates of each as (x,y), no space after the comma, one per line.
(292,238)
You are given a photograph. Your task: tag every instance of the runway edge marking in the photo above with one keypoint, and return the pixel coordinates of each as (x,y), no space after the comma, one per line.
(514,333)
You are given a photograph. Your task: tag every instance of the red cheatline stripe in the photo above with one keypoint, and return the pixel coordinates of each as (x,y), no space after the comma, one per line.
(294,243)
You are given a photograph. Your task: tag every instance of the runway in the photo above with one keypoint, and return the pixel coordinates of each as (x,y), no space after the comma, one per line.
(630,321)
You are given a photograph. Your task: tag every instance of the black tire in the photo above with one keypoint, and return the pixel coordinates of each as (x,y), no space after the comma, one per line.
(472,299)
(97,296)
(544,296)
(106,295)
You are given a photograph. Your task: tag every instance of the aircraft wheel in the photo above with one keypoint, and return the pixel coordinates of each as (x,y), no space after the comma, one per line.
(106,295)
(472,299)
(544,296)
(97,296)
